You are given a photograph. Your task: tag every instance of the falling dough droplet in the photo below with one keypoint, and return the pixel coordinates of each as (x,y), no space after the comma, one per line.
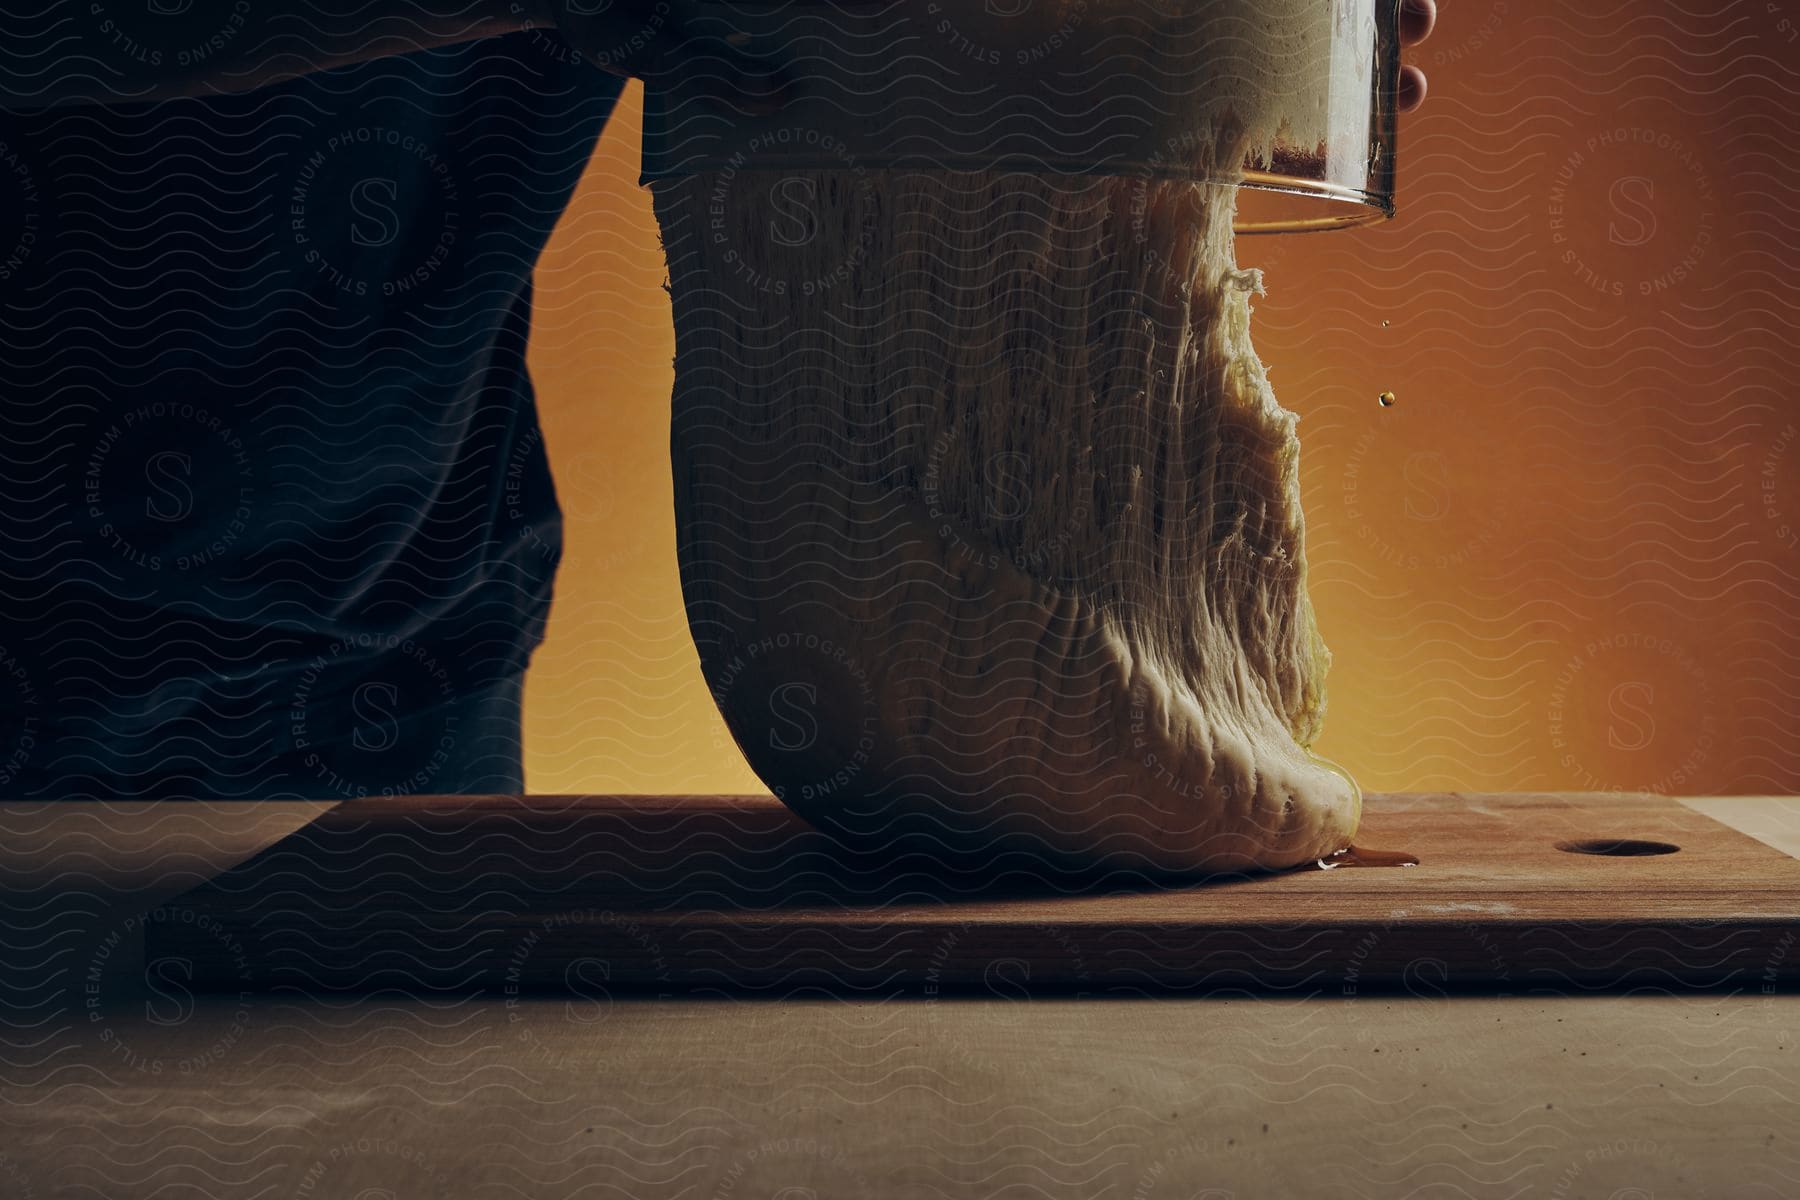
(1386,398)
(1384,324)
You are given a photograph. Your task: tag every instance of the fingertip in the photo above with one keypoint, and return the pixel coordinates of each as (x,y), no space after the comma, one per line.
(1412,89)
(1417,19)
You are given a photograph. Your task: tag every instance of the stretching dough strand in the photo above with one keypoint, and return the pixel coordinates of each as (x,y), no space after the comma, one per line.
(988,521)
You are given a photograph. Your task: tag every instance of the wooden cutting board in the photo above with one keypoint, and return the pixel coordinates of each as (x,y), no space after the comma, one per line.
(677,893)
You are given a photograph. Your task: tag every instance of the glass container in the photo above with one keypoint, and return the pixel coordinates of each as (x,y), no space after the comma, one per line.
(1293,100)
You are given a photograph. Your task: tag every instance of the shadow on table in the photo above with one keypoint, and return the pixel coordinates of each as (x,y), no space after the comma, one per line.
(510,893)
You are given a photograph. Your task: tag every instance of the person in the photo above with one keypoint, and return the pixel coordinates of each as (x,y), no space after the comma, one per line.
(277,516)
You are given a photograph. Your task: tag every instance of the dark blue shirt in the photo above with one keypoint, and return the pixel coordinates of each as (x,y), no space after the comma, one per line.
(267,442)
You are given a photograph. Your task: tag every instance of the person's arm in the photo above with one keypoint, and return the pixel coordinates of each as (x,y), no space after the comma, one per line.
(123,51)
(55,52)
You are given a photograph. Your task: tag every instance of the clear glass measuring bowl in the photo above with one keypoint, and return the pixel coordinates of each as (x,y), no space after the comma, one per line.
(1293,100)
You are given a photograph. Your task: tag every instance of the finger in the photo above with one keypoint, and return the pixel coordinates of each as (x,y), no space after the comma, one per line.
(1417,19)
(1412,89)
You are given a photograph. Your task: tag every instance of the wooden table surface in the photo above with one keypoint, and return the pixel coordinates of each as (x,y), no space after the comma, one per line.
(1510,891)
(114,1086)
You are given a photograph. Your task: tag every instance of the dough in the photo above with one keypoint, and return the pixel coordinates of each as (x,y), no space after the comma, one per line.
(988,520)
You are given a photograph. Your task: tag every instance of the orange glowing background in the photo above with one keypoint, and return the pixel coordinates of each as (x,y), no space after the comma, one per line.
(1568,557)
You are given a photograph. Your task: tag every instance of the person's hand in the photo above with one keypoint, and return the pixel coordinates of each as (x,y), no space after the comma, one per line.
(643,39)
(1416,20)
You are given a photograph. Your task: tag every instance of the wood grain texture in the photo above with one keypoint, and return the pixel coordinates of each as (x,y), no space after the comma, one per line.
(682,893)
(1317,1091)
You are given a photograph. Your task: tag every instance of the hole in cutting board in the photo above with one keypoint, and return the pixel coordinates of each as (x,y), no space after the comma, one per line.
(1617,847)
